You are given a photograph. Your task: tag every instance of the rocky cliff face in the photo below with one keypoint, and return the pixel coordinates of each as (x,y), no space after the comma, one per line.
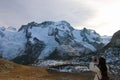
(112,53)
(115,41)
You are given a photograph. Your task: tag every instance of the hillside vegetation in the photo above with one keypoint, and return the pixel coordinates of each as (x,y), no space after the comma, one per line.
(12,71)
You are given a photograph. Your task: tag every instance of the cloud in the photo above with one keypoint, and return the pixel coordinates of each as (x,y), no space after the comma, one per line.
(11,13)
(18,12)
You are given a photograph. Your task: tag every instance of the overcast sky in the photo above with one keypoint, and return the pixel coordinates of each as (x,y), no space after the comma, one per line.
(100,15)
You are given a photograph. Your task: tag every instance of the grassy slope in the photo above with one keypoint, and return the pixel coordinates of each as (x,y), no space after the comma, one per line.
(12,71)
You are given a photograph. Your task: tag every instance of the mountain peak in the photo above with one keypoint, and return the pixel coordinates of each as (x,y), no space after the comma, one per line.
(116,35)
(115,41)
(55,23)
(45,24)
(63,22)
(32,24)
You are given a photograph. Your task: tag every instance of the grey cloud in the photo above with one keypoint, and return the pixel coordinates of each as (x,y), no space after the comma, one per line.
(18,12)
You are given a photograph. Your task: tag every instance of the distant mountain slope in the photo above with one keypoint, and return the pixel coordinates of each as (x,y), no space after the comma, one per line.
(40,41)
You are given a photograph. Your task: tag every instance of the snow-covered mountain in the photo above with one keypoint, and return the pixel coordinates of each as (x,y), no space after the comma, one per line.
(41,41)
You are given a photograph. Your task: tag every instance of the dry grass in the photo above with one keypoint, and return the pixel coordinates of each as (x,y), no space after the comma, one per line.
(12,71)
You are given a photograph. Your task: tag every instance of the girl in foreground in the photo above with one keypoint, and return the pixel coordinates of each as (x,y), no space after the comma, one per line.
(101,69)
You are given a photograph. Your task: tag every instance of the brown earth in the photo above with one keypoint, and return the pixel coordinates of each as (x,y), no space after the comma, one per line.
(12,71)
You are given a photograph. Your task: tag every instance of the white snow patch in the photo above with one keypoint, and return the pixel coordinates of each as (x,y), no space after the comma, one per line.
(12,44)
